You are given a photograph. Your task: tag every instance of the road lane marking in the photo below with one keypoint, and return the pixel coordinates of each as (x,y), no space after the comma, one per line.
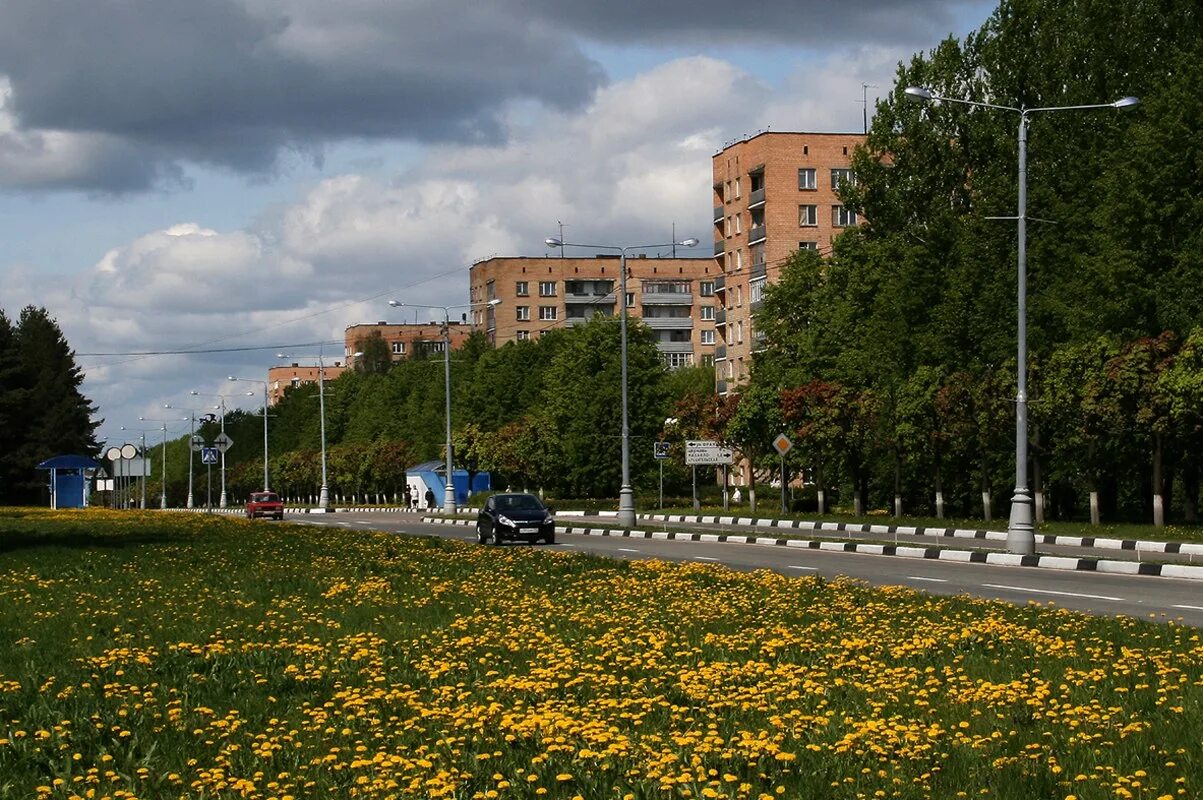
(627,550)
(1189,608)
(921,578)
(704,558)
(799,566)
(1051,591)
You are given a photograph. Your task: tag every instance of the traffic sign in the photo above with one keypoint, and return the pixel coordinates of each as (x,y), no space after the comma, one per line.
(128,451)
(208,455)
(223,442)
(196,443)
(782,444)
(660,449)
(698,453)
(113,453)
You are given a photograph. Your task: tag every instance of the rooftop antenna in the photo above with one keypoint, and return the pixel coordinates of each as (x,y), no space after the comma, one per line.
(864,103)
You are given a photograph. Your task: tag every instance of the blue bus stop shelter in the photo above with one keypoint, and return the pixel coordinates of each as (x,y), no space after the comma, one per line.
(69,480)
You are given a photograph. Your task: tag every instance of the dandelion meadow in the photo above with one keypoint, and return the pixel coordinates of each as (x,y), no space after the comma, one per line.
(155,655)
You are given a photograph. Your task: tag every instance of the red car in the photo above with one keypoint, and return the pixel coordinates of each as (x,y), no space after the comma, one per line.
(264,504)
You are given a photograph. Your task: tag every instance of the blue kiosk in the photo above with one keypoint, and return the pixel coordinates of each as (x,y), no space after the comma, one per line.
(431,475)
(69,480)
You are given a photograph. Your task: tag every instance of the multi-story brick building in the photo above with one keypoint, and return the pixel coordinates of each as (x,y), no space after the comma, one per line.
(405,339)
(674,296)
(280,378)
(774,193)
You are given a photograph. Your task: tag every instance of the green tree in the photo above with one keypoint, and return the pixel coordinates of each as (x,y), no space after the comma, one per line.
(376,356)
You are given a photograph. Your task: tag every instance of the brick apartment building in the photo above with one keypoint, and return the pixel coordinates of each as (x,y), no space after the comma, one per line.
(281,378)
(774,193)
(674,296)
(405,339)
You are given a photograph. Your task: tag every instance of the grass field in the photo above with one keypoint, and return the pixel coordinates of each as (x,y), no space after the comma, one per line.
(157,655)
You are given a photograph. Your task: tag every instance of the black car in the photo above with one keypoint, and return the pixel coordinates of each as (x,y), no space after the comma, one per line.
(515,516)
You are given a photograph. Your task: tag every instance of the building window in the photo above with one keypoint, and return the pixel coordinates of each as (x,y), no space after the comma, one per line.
(737,188)
(399,348)
(839,176)
(676,360)
(296,383)
(547,288)
(808,216)
(523,313)
(667,287)
(806,179)
(842,217)
(708,336)
(739,295)
(756,291)
(522,289)
(708,313)
(808,245)
(630,299)
(739,333)
(490,290)
(730,370)
(727,229)
(739,226)
(706,288)
(739,259)
(522,336)
(547,312)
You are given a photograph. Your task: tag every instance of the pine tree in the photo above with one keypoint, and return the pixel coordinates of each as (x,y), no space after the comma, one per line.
(52,415)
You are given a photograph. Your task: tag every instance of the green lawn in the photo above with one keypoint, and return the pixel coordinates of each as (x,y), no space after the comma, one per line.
(181,655)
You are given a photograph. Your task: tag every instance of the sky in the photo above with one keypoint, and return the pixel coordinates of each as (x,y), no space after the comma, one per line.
(256,175)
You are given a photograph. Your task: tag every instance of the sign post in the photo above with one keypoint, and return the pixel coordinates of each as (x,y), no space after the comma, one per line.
(782,445)
(708,453)
(660,453)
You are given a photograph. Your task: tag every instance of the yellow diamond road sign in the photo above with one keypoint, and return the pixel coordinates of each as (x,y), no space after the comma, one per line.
(782,444)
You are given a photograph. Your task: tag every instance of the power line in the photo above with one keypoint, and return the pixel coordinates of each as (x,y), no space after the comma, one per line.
(210,350)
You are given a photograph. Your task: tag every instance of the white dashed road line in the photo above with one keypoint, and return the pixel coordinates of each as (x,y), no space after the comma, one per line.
(704,558)
(1050,591)
(930,580)
(1189,608)
(627,550)
(799,566)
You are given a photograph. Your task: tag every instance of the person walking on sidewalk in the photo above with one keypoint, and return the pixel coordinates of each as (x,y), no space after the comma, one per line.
(429,498)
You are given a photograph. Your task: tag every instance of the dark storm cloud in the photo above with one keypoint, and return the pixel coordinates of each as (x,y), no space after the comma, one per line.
(229,83)
(133,89)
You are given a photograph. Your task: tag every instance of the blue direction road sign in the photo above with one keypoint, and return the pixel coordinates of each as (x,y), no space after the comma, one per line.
(208,455)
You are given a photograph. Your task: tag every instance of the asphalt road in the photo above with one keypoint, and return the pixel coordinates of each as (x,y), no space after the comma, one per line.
(1148,597)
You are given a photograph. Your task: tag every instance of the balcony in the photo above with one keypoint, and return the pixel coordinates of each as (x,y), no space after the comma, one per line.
(720,317)
(758,270)
(720,284)
(718,214)
(720,352)
(720,247)
(607,299)
(757,234)
(669,323)
(675,347)
(668,298)
(721,387)
(756,199)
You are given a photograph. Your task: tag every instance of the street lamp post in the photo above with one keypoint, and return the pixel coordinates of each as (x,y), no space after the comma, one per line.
(266,487)
(222,405)
(163,456)
(191,435)
(448,488)
(323,499)
(626,495)
(1021,533)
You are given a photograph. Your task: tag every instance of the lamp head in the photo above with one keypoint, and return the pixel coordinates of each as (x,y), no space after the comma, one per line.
(167,405)
(1126,102)
(496,301)
(395,303)
(232,378)
(280,355)
(551,241)
(194,393)
(250,394)
(358,354)
(690,242)
(919,94)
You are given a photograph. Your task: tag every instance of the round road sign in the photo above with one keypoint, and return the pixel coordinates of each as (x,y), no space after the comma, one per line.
(113,453)
(129,451)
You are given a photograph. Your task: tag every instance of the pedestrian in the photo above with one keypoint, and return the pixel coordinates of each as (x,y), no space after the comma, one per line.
(430,498)
(737,497)
(408,497)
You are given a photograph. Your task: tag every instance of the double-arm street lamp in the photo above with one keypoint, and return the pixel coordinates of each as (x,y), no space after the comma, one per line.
(323,499)
(626,495)
(191,435)
(222,406)
(1021,533)
(448,488)
(266,487)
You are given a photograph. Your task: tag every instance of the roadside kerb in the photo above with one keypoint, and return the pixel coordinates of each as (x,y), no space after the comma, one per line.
(1139,545)
(1064,563)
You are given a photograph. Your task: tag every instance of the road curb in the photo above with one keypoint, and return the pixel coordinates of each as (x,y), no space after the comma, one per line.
(1064,563)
